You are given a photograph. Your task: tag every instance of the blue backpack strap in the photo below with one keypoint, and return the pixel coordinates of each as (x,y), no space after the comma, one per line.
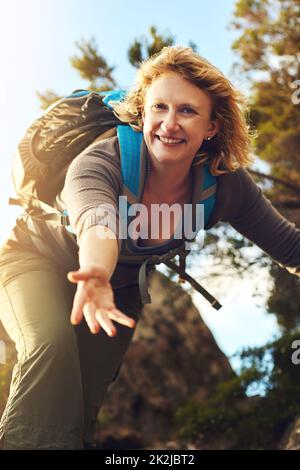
(208,196)
(130,143)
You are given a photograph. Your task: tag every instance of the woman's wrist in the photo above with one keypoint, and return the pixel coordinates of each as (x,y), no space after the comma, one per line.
(96,270)
(98,253)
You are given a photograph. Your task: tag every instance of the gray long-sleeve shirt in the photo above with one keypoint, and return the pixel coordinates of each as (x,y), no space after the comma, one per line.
(94,178)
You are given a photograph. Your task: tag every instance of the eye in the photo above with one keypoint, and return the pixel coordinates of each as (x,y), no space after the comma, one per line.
(159,106)
(184,109)
(187,110)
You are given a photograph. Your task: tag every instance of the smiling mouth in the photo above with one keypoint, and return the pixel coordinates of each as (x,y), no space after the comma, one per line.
(169,141)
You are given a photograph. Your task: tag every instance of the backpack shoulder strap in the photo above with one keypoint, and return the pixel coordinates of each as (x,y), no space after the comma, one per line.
(208,193)
(130,143)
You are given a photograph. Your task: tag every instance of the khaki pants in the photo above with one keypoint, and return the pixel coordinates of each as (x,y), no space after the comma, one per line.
(63,372)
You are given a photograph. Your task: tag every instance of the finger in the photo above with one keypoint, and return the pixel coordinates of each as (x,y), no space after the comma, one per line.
(85,274)
(121,318)
(89,311)
(78,304)
(105,322)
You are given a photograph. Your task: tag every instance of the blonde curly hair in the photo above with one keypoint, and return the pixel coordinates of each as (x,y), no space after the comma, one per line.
(231,146)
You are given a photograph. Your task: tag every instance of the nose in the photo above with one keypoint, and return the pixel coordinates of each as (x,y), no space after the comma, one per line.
(170,122)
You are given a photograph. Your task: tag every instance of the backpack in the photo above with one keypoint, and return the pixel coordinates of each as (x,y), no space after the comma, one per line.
(64,130)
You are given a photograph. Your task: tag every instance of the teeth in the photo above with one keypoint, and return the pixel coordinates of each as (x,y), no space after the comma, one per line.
(169,141)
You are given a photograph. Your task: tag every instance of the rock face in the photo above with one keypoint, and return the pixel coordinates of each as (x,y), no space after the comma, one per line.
(291,437)
(173,357)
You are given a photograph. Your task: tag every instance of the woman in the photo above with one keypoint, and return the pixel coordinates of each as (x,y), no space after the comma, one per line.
(189,114)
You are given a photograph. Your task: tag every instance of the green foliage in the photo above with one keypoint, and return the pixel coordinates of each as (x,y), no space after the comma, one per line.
(142,48)
(47,98)
(269,43)
(103,420)
(255,422)
(285,298)
(92,66)
(269,28)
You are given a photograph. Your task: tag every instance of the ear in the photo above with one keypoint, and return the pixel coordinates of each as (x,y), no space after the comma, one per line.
(214,127)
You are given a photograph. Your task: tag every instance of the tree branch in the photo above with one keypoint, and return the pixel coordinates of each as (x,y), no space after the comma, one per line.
(291,186)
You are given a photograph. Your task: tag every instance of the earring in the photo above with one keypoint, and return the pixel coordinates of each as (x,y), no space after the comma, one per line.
(208,138)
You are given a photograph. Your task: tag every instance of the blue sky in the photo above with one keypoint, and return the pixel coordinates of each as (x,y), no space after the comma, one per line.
(37,39)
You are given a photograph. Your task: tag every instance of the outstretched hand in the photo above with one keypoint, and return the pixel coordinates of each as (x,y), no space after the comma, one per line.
(94,299)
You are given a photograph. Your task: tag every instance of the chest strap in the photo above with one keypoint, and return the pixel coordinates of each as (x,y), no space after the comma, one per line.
(166,259)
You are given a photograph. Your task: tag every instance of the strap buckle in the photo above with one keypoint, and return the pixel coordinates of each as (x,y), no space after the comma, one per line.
(64,219)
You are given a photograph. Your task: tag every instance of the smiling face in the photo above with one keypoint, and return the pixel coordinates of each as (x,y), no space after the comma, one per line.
(176,119)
